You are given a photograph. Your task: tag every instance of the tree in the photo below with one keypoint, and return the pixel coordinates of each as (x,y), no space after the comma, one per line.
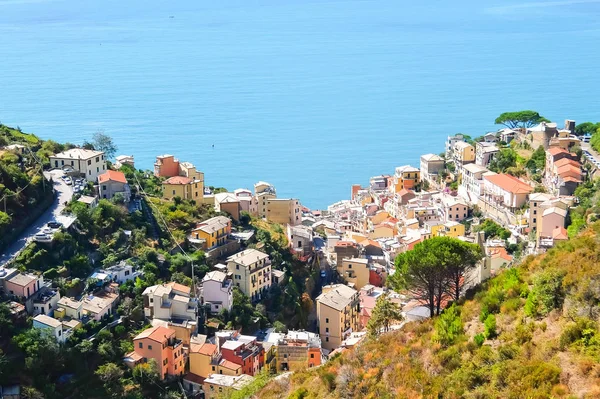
(384,314)
(460,259)
(586,128)
(110,374)
(146,374)
(420,272)
(103,142)
(520,119)
(537,162)
(504,159)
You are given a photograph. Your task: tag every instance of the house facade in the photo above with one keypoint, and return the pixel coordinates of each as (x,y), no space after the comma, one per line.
(338,309)
(88,163)
(217,290)
(50,326)
(169,301)
(405,177)
(355,271)
(506,191)
(431,167)
(251,271)
(113,182)
(161,344)
(213,231)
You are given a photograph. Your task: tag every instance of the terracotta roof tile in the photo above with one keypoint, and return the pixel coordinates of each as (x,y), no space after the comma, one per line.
(509,183)
(178,180)
(112,175)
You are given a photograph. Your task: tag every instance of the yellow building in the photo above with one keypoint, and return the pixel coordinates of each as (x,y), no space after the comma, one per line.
(183,187)
(213,231)
(205,359)
(251,271)
(452,229)
(338,309)
(284,211)
(406,177)
(464,152)
(355,271)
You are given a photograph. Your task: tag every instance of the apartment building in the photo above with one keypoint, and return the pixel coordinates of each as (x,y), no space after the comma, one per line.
(169,301)
(338,309)
(183,181)
(161,344)
(217,290)
(485,152)
(563,172)
(217,385)
(251,270)
(23,285)
(355,271)
(344,250)
(90,164)
(506,191)
(431,167)
(112,182)
(405,177)
(213,232)
(471,184)
(284,211)
(463,153)
(297,350)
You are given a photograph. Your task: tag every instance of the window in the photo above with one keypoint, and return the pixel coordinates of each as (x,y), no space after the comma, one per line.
(349,266)
(535,212)
(97,159)
(534,220)
(312,356)
(326,339)
(149,347)
(173,192)
(62,162)
(213,368)
(237,267)
(103,187)
(72,163)
(56,164)
(97,169)
(327,329)
(89,172)
(141,345)
(327,320)
(89,161)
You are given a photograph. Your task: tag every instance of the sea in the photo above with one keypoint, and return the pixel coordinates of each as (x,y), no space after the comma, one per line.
(309,95)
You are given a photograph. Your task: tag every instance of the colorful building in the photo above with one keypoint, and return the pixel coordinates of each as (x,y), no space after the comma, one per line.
(405,177)
(251,271)
(213,232)
(338,310)
(159,343)
(112,182)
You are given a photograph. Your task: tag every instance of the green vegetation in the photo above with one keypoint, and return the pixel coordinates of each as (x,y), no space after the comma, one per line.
(505,159)
(492,230)
(488,345)
(384,314)
(520,119)
(435,269)
(581,129)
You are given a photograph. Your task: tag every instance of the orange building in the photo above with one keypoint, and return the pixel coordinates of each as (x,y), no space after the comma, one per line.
(159,343)
(166,166)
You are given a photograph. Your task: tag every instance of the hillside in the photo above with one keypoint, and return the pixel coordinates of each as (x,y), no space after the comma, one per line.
(531,332)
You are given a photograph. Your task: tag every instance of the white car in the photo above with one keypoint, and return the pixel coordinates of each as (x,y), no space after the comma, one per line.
(68,181)
(47,230)
(41,237)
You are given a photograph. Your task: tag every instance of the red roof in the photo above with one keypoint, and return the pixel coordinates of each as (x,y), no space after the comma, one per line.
(560,233)
(205,349)
(567,161)
(229,364)
(554,151)
(158,334)
(509,183)
(178,180)
(369,242)
(112,175)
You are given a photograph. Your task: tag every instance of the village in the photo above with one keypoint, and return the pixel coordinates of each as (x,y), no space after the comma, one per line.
(510,192)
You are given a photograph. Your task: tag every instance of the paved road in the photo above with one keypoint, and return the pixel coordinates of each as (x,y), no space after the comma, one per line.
(63,194)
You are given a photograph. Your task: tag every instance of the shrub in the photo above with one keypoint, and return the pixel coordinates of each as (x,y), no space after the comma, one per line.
(448,326)
(582,331)
(299,393)
(490,327)
(479,339)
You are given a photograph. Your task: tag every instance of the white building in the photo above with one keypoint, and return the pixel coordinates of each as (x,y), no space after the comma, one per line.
(46,302)
(72,308)
(485,152)
(124,160)
(89,163)
(471,184)
(217,290)
(51,326)
(121,273)
(169,301)
(506,190)
(431,166)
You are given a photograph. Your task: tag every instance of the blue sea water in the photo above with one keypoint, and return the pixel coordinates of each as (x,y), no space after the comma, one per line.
(310,95)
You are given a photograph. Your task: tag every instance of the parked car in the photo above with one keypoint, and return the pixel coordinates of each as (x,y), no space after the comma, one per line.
(68,181)
(47,230)
(41,237)
(54,225)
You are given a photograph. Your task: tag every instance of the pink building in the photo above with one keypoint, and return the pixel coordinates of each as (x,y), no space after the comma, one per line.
(23,285)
